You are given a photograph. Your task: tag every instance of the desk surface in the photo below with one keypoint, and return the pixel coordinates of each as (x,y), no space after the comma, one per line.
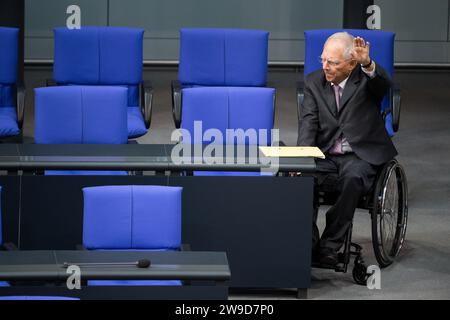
(151,157)
(48,265)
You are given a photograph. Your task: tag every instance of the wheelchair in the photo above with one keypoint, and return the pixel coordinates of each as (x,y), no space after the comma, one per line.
(387,204)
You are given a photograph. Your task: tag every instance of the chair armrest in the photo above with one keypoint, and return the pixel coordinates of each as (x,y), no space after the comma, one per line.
(300,97)
(20,105)
(50,83)
(146,101)
(176,102)
(395,105)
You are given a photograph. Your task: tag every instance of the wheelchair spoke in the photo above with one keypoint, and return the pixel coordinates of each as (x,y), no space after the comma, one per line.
(388,220)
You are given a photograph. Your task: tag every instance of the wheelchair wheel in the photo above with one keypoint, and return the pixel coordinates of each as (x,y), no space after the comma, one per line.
(390,213)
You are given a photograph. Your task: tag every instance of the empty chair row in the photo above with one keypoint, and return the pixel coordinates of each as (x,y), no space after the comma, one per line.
(113,56)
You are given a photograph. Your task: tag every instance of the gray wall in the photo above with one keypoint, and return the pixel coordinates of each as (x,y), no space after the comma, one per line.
(422,27)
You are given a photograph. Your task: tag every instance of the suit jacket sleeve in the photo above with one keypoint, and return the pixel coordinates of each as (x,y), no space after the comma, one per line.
(380,84)
(309,119)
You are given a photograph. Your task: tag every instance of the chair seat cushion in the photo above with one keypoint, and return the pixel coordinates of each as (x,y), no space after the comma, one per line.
(8,122)
(136,125)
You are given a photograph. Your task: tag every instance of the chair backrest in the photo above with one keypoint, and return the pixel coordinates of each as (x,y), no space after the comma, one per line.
(381,51)
(223,57)
(132,217)
(99,56)
(225,108)
(81,114)
(9,44)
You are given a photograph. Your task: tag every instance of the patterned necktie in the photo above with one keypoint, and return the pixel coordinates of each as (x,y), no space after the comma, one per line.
(337,146)
(337,95)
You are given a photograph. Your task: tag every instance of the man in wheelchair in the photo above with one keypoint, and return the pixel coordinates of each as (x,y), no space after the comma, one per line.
(340,114)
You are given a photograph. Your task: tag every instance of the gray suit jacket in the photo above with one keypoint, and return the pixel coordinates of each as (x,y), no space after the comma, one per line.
(359,117)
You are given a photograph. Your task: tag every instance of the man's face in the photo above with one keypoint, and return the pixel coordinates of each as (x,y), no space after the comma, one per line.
(335,66)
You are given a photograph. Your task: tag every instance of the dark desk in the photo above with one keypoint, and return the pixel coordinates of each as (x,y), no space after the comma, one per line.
(249,218)
(146,157)
(208,267)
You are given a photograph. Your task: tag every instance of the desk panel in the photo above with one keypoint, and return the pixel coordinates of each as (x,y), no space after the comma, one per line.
(263,223)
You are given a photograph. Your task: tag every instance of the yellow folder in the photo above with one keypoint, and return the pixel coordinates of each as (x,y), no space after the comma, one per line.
(292,152)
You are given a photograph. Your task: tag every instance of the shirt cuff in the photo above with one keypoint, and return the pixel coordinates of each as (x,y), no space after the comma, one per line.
(370,74)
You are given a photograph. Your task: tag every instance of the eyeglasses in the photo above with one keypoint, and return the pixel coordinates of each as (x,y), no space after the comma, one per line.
(331,62)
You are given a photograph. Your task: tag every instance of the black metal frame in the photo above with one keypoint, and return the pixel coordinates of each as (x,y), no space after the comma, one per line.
(176,102)
(146,101)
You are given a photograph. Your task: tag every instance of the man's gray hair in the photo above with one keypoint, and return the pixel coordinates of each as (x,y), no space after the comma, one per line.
(347,41)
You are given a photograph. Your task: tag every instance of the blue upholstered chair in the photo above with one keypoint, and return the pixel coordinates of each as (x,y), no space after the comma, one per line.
(381,51)
(138,218)
(219,57)
(81,115)
(106,56)
(12,94)
(222,108)
(222,83)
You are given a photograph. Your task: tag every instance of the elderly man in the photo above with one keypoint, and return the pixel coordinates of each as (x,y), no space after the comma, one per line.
(341,115)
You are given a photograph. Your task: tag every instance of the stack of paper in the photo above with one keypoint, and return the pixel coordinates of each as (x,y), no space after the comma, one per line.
(292,152)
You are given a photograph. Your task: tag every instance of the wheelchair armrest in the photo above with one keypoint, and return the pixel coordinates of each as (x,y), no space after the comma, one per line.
(20,105)
(9,246)
(395,105)
(146,101)
(50,83)
(176,102)
(300,97)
